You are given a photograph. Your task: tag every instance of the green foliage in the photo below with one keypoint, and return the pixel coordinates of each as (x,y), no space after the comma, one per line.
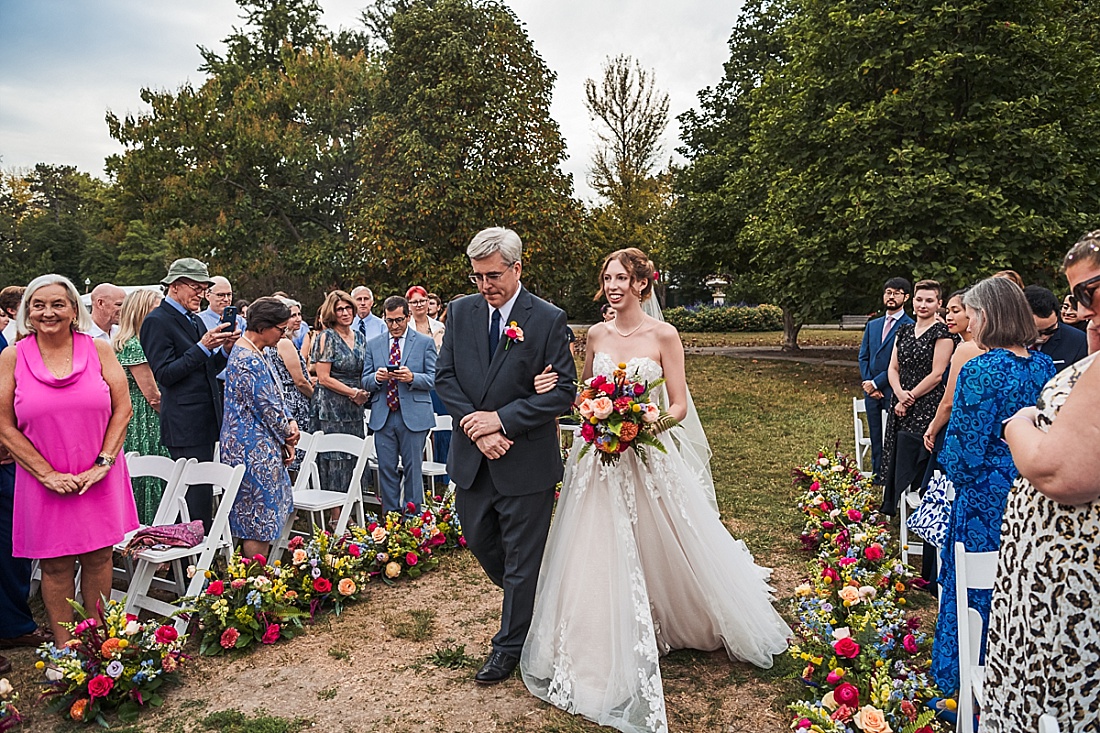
(234,721)
(850,141)
(721,319)
(453,657)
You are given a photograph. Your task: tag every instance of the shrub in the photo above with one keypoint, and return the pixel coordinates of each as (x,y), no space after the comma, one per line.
(725,318)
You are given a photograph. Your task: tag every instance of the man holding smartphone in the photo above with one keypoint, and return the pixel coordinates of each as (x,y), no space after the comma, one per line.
(219,303)
(399,374)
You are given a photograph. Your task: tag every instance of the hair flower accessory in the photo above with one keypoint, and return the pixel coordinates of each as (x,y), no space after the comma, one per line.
(513,333)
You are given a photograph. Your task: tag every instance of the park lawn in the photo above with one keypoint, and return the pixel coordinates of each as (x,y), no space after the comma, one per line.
(404,659)
(834,337)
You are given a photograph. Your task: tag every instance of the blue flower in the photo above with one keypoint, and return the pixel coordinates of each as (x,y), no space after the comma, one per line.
(253,598)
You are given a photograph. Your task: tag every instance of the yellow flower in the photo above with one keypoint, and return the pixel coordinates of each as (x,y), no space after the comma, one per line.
(636,408)
(39,664)
(622,365)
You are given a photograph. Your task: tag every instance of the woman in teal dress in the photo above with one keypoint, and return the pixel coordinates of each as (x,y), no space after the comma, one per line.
(338,355)
(990,388)
(143,434)
(258,432)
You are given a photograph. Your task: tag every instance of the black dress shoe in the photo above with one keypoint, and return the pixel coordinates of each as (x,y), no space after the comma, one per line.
(497,668)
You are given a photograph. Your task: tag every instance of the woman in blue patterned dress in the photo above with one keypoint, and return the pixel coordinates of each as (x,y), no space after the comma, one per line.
(258,432)
(991,387)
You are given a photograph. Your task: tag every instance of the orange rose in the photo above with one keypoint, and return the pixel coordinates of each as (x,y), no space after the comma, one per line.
(76,712)
(110,646)
(871,720)
(346,587)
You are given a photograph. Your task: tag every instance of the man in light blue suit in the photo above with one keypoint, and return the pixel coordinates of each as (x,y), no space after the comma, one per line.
(874,361)
(399,374)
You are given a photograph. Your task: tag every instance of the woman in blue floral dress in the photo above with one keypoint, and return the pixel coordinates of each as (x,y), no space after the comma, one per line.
(991,387)
(258,432)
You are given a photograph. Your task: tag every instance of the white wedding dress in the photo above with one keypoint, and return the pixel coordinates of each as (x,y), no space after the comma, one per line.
(638,563)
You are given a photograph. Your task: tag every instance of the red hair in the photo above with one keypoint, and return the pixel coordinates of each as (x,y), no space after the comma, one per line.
(414,291)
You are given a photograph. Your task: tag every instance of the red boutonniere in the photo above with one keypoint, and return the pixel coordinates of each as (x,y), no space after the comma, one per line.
(513,333)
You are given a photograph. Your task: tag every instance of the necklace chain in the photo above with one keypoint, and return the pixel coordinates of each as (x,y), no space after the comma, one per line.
(630,332)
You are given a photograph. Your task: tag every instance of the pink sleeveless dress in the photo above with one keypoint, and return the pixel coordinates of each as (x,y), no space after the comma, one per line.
(65,420)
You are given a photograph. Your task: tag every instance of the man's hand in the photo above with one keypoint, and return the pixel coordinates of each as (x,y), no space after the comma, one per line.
(382,375)
(877,394)
(216,337)
(493,446)
(480,423)
(869,387)
(230,341)
(403,374)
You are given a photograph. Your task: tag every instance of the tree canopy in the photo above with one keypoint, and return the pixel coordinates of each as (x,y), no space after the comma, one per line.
(852,141)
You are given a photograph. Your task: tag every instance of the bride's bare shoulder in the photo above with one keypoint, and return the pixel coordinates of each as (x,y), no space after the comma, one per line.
(665,330)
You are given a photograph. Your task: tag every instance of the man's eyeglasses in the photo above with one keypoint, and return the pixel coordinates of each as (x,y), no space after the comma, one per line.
(221,295)
(477,278)
(1083,293)
(1049,331)
(894,293)
(197,288)
(418,302)
(395,321)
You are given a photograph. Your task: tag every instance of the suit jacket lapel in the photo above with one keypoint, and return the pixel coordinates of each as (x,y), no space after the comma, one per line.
(188,324)
(480,327)
(521,311)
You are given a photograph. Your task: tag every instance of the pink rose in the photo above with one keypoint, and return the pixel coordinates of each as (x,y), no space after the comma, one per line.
(639,388)
(260,559)
(847,648)
(271,634)
(814,487)
(229,638)
(910,643)
(588,432)
(650,412)
(165,634)
(295,542)
(830,574)
(411,559)
(215,589)
(846,561)
(855,515)
(461,541)
(354,550)
(602,407)
(607,388)
(847,694)
(833,677)
(585,408)
(100,686)
(416,532)
(322,585)
(803,724)
(873,552)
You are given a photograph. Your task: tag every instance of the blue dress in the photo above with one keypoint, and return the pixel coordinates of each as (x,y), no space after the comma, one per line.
(991,387)
(253,432)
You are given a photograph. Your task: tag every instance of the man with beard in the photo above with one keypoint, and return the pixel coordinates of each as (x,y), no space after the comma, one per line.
(874,360)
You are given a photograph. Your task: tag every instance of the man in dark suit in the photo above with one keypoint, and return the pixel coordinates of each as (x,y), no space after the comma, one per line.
(1063,345)
(401,404)
(874,360)
(505,456)
(185,358)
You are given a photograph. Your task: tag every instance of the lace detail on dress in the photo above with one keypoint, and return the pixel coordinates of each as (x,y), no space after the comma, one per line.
(639,368)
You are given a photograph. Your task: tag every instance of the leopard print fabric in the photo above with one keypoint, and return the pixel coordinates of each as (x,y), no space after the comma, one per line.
(1044,626)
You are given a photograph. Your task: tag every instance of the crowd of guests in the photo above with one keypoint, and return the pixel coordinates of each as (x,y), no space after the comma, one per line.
(990,409)
(156,373)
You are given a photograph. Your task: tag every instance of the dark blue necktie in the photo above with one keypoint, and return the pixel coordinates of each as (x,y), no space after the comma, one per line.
(494,333)
(198,325)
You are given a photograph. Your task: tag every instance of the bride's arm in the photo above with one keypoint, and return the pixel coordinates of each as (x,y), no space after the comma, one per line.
(591,346)
(672,363)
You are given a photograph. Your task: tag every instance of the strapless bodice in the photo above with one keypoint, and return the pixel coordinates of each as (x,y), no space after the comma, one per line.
(640,368)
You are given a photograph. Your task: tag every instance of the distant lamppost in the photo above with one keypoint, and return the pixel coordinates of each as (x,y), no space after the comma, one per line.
(87,284)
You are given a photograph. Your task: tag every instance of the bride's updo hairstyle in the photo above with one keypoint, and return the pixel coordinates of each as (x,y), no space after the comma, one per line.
(639,266)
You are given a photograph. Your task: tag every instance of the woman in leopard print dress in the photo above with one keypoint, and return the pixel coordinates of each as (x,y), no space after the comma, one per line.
(1043,651)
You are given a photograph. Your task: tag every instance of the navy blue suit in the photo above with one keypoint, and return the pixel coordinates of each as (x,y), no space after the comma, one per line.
(401,432)
(1066,346)
(874,361)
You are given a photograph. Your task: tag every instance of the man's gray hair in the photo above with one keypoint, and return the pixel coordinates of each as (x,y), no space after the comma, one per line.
(83,321)
(362,288)
(496,239)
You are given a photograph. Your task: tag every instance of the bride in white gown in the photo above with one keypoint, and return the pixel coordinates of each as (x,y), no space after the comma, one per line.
(638,562)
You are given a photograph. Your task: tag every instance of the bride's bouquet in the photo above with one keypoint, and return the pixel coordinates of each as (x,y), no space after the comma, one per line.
(617,415)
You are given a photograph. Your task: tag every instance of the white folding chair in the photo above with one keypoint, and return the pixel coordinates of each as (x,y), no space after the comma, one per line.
(167,510)
(317,500)
(1049,724)
(863,440)
(307,474)
(226,478)
(910,500)
(431,468)
(976,570)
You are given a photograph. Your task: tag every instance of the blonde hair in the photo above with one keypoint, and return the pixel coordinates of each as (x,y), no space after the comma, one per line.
(328,308)
(82,322)
(135,307)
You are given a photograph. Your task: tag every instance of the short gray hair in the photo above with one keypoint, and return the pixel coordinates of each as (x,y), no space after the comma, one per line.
(1006,318)
(289,302)
(489,241)
(357,288)
(22,318)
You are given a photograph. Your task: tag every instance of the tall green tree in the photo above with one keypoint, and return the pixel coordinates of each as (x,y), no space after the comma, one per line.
(929,139)
(463,139)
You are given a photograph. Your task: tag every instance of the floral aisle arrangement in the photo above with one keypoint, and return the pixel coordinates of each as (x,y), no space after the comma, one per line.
(866,660)
(328,570)
(9,715)
(118,664)
(617,415)
(409,545)
(250,602)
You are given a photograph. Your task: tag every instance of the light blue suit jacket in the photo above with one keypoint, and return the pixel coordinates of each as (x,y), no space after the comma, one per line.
(415,401)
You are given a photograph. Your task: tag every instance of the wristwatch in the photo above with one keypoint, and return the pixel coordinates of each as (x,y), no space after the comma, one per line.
(104,460)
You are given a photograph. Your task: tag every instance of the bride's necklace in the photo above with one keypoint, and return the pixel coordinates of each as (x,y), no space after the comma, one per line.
(628,333)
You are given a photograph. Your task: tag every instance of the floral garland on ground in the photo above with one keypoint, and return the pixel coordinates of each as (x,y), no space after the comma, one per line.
(866,661)
(119,664)
(9,715)
(253,602)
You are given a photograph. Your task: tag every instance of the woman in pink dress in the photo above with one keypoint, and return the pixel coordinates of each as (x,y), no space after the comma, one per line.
(64,408)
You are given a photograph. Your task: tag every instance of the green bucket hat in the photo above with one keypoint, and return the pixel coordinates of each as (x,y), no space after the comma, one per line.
(189,268)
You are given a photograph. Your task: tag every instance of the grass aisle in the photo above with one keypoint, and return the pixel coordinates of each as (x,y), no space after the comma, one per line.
(404,659)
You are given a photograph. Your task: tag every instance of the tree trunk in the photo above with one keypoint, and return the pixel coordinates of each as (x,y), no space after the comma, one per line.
(791,327)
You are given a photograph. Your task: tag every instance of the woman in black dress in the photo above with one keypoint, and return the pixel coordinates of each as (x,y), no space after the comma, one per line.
(922,352)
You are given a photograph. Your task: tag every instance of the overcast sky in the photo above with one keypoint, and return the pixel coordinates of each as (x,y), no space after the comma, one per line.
(64,63)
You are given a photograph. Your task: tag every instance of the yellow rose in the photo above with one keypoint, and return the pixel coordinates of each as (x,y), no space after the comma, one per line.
(393,570)
(378,535)
(871,720)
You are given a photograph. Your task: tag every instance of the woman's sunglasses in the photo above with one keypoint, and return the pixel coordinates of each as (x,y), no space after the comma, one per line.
(1083,293)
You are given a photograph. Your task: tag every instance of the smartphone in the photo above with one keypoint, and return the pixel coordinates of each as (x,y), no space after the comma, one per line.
(229,315)
(392,367)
